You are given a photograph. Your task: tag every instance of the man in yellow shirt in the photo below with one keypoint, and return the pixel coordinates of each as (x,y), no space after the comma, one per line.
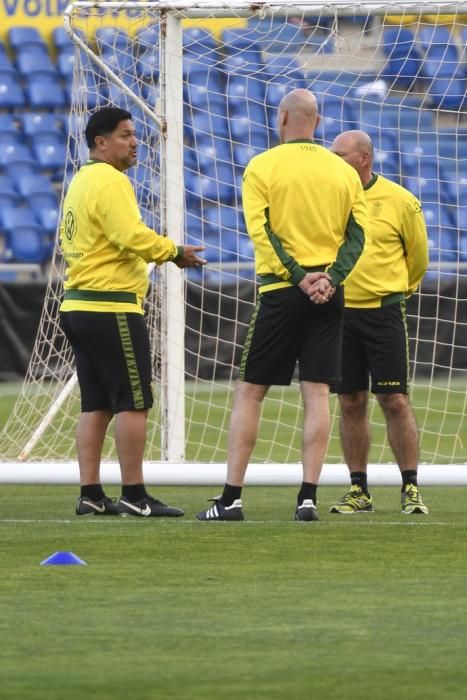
(107,249)
(306,215)
(375,329)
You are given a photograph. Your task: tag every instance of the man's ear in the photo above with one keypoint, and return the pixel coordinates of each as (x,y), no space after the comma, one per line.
(99,142)
(318,120)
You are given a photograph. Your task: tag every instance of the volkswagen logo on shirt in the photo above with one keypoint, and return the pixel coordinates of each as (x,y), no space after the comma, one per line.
(70,224)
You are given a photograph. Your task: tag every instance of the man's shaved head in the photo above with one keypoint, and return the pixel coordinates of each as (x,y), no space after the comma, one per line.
(356,148)
(297,115)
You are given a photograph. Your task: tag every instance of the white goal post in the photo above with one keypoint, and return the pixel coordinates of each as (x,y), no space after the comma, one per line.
(202,80)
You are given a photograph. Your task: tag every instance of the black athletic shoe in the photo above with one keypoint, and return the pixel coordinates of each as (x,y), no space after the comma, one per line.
(306,511)
(148,507)
(106,506)
(221,512)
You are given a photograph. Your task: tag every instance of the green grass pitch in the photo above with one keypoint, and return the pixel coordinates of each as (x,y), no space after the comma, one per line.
(368,606)
(362,606)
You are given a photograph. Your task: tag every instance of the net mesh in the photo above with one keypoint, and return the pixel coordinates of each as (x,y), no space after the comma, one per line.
(400,78)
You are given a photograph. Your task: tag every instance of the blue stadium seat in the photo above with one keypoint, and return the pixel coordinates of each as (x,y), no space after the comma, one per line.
(404,60)
(244,153)
(242,130)
(6,67)
(244,87)
(121,63)
(277,37)
(66,65)
(239,39)
(194,226)
(197,40)
(434,37)
(24,236)
(224,219)
(243,63)
(425,189)
(37,190)
(9,130)
(51,157)
(147,38)
(112,38)
(448,92)
(210,150)
(203,71)
(32,65)
(205,123)
(12,155)
(445,74)
(442,244)
(21,38)
(416,150)
(11,94)
(196,96)
(62,41)
(284,66)
(411,118)
(48,219)
(147,66)
(26,245)
(275,91)
(45,94)
(212,189)
(9,197)
(462,233)
(34,123)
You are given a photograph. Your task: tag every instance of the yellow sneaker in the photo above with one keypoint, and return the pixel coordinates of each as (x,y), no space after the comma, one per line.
(411,501)
(354,501)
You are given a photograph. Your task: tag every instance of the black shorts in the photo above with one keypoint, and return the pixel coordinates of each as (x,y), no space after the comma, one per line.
(113,359)
(375,344)
(287,327)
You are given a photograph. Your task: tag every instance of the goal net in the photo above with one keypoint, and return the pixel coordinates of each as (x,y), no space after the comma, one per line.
(203,81)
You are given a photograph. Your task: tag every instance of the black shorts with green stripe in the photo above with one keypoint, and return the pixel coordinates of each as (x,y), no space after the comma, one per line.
(375,345)
(286,328)
(113,359)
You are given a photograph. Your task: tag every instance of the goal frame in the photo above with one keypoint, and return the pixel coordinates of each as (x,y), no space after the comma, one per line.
(173,469)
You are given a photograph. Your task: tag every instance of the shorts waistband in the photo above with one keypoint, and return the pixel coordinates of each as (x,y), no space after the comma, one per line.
(97,295)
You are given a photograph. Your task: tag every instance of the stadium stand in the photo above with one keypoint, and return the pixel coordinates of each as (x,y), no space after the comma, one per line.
(227,110)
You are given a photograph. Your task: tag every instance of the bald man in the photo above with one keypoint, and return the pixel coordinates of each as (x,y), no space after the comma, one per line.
(306,215)
(375,329)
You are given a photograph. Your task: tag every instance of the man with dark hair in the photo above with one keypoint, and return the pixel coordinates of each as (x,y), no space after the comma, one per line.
(306,215)
(375,329)
(107,248)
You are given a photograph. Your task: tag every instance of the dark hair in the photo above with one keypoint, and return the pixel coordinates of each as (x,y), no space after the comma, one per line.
(104,121)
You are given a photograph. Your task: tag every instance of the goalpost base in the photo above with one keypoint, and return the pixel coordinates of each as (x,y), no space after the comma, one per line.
(177,474)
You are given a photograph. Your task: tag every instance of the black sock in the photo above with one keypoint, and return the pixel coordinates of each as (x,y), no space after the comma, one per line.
(133,492)
(94,492)
(306,491)
(230,494)
(359,479)
(409,476)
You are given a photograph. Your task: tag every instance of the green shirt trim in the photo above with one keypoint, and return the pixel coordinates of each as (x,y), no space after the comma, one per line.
(297,273)
(299,141)
(96,295)
(348,253)
(372,182)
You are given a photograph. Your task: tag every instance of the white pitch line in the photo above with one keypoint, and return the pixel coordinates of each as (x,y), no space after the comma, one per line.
(323,523)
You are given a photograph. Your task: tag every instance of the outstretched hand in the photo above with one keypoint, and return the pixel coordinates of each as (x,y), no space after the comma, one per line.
(317,286)
(189,257)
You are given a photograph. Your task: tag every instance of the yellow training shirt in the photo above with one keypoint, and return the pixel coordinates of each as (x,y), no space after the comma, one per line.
(393,266)
(105,243)
(304,208)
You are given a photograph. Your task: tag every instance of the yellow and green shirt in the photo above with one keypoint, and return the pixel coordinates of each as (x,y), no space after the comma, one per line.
(105,243)
(304,208)
(393,266)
